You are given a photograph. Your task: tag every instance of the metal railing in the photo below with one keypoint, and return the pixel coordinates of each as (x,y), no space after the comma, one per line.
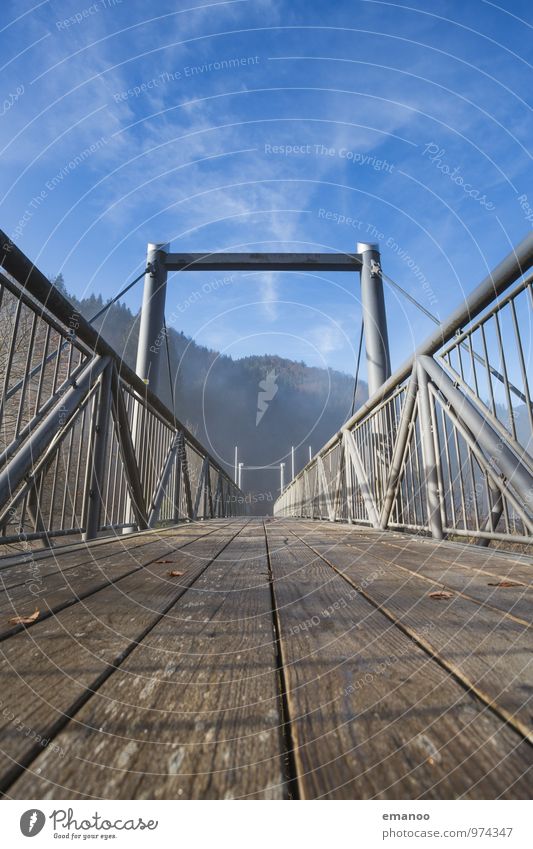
(445,446)
(85,446)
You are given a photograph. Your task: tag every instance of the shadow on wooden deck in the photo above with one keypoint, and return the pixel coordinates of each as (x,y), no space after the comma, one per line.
(278,659)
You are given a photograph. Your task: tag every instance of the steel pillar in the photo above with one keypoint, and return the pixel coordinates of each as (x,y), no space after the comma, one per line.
(282,477)
(152,329)
(374,317)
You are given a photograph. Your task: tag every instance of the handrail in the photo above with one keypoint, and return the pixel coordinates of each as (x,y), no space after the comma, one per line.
(414,459)
(516,263)
(22,269)
(87,446)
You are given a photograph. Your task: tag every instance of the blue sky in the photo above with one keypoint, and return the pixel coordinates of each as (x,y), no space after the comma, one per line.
(269,125)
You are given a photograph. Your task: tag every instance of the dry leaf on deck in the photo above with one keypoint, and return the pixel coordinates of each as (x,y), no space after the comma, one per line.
(176,574)
(441,594)
(25,620)
(505,584)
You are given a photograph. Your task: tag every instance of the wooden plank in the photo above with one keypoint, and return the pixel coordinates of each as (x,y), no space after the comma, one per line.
(476,585)
(372,715)
(458,576)
(483,560)
(53,592)
(490,652)
(448,566)
(193,712)
(15,570)
(493,561)
(49,670)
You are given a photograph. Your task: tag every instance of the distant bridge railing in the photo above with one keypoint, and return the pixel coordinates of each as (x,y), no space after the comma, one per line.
(85,446)
(445,446)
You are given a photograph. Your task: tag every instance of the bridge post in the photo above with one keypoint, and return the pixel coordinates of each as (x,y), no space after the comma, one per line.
(374,317)
(151,339)
(152,327)
(376,344)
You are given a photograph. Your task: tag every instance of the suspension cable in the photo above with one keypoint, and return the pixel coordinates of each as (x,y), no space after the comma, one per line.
(117,297)
(410,298)
(171,382)
(36,369)
(361,334)
(475,355)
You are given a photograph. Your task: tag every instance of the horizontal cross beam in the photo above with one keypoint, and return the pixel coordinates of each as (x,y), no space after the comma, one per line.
(263,262)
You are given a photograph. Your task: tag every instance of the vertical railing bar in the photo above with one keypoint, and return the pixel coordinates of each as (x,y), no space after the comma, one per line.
(419,509)
(473,363)
(119,480)
(398,503)
(67,476)
(23,510)
(460,359)
(42,369)
(505,374)
(446,437)
(89,443)
(409,475)
(140,414)
(97,456)
(522,362)
(487,368)
(506,514)
(9,359)
(430,458)
(77,504)
(107,505)
(57,363)
(115,497)
(438,457)
(70,365)
(474,491)
(25,380)
(460,474)
(55,466)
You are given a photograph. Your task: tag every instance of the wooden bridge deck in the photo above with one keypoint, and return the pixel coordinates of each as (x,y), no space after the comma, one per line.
(282,659)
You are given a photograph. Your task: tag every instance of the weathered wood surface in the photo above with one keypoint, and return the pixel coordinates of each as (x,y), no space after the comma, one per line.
(194,711)
(491,651)
(52,590)
(372,715)
(144,685)
(14,570)
(452,573)
(50,669)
